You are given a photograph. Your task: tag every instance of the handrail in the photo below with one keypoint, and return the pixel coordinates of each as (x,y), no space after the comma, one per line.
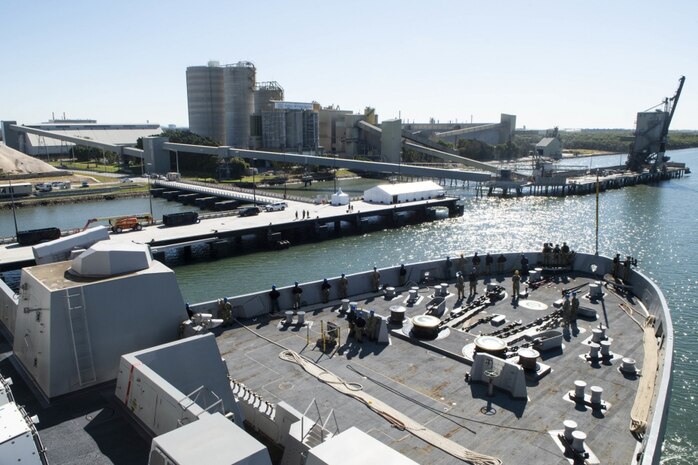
(318,421)
(336,424)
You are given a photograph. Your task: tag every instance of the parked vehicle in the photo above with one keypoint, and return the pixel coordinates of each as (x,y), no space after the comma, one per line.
(36,236)
(134,223)
(250,211)
(276,206)
(179,219)
(43,187)
(16,190)
(85,184)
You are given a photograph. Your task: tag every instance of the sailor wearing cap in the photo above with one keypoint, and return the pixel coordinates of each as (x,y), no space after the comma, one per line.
(402,274)
(343,285)
(574,307)
(296,291)
(325,289)
(515,285)
(460,285)
(274,297)
(376,279)
(473,282)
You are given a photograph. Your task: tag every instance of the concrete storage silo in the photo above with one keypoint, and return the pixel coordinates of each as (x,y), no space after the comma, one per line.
(205,101)
(239,82)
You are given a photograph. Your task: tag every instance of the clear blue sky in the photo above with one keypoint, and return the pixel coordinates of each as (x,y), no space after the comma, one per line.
(552,63)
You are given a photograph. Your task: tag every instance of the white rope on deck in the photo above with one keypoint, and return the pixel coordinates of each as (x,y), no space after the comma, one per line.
(639,415)
(393,416)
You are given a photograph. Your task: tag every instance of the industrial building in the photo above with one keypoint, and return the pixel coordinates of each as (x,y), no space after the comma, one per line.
(117,134)
(220,100)
(549,147)
(205,101)
(489,133)
(228,105)
(291,126)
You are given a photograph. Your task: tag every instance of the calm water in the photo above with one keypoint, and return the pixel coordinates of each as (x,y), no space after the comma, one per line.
(653,223)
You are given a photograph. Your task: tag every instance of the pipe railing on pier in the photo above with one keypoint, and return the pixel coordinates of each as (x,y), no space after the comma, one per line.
(250,192)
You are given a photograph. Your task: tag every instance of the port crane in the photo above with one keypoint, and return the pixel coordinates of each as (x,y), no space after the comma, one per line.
(649,144)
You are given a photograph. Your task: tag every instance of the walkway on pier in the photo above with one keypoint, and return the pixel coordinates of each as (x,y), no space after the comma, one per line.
(228,192)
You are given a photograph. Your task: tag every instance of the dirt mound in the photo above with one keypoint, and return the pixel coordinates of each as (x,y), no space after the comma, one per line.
(14,162)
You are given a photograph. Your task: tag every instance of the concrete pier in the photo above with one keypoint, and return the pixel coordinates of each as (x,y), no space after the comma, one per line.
(321,222)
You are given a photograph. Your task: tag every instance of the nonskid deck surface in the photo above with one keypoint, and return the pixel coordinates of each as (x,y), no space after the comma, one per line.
(426,380)
(83,428)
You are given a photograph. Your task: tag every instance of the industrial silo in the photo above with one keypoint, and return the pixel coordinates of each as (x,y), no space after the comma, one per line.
(205,100)
(239,85)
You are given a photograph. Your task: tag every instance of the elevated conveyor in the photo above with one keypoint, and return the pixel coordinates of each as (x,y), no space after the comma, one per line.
(416,144)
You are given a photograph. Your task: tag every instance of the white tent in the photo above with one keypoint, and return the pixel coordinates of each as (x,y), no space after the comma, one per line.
(404,192)
(339,198)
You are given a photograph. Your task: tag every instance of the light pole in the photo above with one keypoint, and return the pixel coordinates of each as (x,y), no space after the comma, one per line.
(150,196)
(285,176)
(254,186)
(12,199)
(335,173)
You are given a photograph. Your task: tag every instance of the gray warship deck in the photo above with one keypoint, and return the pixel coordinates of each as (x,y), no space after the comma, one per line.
(426,380)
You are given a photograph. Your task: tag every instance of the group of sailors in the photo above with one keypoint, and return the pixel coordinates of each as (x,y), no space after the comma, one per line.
(462,264)
(297,292)
(570,307)
(552,256)
(557,255)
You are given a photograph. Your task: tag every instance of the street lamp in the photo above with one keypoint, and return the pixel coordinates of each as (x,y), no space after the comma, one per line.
(285,176)
(335,173)
(150,196)
(254,186)
(12,199)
